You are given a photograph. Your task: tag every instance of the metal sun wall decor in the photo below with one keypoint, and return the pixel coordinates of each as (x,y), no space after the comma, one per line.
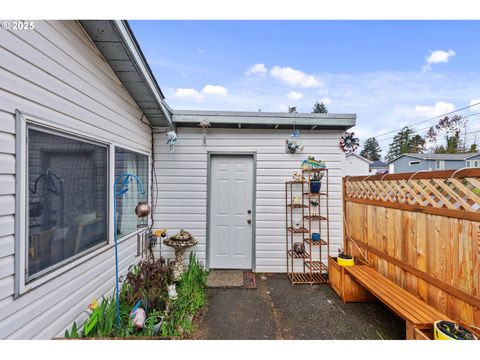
(349,143)
(204,124)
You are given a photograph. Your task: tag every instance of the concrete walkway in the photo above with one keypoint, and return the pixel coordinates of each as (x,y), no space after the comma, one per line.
(277,310)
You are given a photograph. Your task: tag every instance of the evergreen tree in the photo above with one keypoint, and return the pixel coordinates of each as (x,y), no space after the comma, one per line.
(319,108)
(371,150)
(405,141)
(292,109)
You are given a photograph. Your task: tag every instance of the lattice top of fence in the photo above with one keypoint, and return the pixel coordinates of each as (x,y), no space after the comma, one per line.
(452,193)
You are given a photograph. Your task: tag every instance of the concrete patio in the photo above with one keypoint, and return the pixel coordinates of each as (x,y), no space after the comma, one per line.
(278,310)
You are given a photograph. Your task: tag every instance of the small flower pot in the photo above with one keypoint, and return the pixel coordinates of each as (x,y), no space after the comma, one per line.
(315,186)
(315,237)
(345,260)
(446,330)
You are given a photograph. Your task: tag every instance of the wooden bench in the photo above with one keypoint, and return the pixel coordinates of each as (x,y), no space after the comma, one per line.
(417,314)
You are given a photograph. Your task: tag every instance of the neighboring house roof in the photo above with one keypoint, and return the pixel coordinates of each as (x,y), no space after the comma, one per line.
(260,119)
(360,157)
(378,164)
(115,40)
(447,157)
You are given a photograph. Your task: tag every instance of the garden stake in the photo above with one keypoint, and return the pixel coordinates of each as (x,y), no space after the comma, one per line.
(124,187)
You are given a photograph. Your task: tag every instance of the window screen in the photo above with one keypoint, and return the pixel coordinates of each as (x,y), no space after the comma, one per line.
(129,162)
(67,199)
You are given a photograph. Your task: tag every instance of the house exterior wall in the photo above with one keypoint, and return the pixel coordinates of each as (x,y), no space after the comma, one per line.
(182,184)
(355,166)
(56,73)
(401,165)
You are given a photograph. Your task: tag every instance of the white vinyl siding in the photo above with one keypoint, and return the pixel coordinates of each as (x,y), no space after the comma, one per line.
(56,73)
(182,184)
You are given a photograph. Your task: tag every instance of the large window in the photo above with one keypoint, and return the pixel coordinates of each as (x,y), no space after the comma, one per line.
(67,199)
(129,162)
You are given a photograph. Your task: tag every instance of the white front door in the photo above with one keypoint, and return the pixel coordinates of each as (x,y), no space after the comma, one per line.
(231,221)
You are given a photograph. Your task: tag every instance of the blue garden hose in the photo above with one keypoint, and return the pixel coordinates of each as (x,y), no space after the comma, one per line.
(124,187)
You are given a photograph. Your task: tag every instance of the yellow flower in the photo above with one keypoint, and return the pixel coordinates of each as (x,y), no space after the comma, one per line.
(93,305)
(159,232)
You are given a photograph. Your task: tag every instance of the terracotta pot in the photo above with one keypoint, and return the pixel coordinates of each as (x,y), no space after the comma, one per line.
(142,209)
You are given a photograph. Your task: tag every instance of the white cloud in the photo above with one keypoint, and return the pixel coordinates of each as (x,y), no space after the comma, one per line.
(438,56)
(214,90)
(348,93)
(294,77)
(438,109)
(475,101)
(257,69)
(183,93)
(207,91)
(326,100)
(295,95)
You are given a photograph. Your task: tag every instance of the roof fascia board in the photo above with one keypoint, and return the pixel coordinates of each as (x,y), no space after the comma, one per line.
(253,118)
(131,44)
(360,157)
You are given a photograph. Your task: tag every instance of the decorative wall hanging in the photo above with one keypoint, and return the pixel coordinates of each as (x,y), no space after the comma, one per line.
(293,143)
(349,143)
(204,124)
(171,139)
(311,164)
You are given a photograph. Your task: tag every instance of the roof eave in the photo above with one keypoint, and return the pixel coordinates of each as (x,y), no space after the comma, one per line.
(264,119)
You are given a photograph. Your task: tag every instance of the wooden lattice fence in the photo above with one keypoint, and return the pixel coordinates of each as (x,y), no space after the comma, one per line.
(422,231)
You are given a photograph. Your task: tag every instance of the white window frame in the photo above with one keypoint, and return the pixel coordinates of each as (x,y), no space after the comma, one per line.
(22,120)
(440,164)
(473,163)
(147,187)
(414,162)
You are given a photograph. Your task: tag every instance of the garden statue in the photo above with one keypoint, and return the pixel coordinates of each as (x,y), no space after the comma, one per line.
(179,242)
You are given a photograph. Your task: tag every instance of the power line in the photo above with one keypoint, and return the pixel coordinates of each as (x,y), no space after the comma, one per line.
(428,127)
(424,121)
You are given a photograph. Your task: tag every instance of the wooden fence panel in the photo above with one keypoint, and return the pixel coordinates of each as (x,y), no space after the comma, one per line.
(421,231)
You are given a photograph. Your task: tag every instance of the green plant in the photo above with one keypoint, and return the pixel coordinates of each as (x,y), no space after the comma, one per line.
(147,281)
(191,298)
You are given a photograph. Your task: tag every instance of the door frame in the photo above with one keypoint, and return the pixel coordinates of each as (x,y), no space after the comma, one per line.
(253,155)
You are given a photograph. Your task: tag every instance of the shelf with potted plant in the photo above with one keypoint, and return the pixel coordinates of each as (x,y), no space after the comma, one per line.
(304,218)
(318,240)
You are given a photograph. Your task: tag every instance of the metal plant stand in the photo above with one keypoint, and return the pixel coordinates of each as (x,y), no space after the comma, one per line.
(311,267)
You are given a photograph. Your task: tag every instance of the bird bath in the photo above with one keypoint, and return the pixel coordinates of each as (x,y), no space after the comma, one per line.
(179,242)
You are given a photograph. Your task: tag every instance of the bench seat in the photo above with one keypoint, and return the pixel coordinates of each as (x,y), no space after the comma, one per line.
(415,312)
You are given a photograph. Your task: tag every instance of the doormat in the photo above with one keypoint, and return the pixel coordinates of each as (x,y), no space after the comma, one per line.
(225,279)
(249,280)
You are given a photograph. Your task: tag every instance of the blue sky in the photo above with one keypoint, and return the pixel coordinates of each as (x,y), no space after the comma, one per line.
(390,73)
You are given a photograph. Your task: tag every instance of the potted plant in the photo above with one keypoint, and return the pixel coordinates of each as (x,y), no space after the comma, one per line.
(316,183)
(447,330)
(343,259)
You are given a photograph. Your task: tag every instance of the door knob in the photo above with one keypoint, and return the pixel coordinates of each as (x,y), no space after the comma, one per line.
(249,221)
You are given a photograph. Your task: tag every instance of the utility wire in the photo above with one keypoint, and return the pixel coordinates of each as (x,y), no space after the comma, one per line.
(428,127)
(424,121)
